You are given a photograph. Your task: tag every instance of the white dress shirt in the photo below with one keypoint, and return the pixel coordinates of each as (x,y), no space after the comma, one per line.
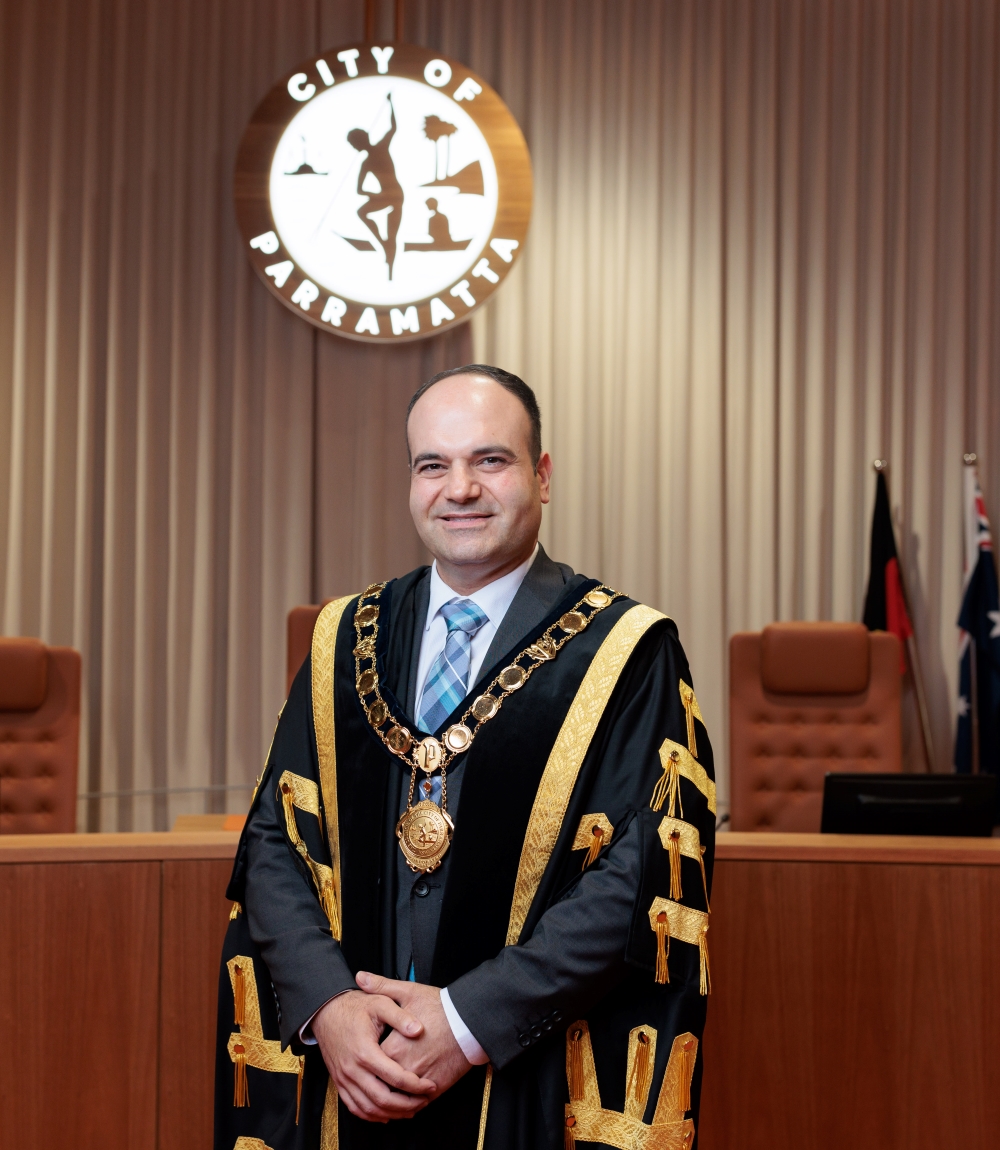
(493,600)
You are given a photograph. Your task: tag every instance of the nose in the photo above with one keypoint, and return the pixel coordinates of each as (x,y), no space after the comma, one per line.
(462,484)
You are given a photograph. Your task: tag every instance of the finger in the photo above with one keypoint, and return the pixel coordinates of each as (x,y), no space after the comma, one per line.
(369,1098)
(378,984)
(386,1010)
(379,1063)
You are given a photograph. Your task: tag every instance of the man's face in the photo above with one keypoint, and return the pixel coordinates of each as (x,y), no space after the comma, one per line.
(475,497)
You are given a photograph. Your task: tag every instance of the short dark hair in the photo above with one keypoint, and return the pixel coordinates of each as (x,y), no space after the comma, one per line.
(506,379)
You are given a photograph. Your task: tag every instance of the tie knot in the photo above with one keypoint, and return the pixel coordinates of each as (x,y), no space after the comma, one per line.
(463,615)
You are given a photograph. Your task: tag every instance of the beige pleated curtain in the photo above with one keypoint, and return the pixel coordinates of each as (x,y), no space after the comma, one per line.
(764,251)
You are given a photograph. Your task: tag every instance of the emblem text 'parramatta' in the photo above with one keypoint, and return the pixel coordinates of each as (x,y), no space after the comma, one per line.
(383,191)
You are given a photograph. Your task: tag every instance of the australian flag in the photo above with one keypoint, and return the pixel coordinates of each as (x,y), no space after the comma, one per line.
(977,738)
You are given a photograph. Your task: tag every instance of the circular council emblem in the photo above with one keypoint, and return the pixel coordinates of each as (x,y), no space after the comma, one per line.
(383,192)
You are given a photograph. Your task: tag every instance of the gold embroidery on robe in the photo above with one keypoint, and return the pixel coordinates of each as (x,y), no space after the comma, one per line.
(586,1120)
(323,650)
(588,830)
(567,755)
(303,793)
(260,1052)
(688,843)
(687,925)
(692,711)
(329,1134)
(689,768)
(559,777)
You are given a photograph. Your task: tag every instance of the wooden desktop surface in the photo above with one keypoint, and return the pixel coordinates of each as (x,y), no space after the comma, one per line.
(856,992)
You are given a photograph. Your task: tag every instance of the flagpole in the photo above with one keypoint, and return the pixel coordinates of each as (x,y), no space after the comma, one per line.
(970,459)
(911,649)
(974,703)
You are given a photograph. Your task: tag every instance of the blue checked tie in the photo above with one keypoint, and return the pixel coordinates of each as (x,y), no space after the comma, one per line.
(448,678)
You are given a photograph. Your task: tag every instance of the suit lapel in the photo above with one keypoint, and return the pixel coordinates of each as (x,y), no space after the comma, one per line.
(541,589)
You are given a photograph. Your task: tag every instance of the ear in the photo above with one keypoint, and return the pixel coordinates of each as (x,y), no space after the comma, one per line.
(544,472)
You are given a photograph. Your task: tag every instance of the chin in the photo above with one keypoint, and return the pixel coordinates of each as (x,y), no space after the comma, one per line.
(466,546)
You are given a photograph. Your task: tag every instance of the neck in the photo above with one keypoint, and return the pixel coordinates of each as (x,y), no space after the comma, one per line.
(468,578)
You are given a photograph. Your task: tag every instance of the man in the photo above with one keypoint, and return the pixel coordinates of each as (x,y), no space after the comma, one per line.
(472,891)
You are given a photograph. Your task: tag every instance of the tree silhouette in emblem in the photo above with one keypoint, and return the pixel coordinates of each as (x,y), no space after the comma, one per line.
(378,182)
(436,129)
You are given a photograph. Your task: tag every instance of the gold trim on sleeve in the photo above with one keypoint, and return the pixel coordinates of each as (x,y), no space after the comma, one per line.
(567,755)
(687,925)
(689,768)
(586,1120)
(585,831)
(258,1051)
(244,1143)
(323,651)
(295,791)
(692,711)
(687,836)
(681,838)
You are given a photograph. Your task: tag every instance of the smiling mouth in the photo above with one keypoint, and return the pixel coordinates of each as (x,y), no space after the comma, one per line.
(466,520)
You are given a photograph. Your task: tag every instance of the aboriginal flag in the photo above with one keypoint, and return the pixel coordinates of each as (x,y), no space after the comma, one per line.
(885,604)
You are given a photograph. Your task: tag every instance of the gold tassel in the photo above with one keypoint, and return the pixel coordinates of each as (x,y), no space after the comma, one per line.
(705,975)
(328,900)
(569,1140)
(662,947)
(241,1095)
(234,911)
(688,696)
(674,851)
(684,1073)
(288,802)
(704,879)
(576,1066)
(595,846)
(298,1087)
(239,996)
(642,1072)
(668,786)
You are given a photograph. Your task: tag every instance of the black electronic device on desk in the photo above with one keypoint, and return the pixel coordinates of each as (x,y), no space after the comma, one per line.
(958,805)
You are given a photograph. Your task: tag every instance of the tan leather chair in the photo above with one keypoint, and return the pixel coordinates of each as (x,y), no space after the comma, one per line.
(805,699)
(301,621)
(39,737)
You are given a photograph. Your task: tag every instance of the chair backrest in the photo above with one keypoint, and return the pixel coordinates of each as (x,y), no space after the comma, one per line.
(805,699)
(301,621)
(39,737)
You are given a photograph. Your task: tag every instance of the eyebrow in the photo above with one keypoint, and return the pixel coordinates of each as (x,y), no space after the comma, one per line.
(490,449)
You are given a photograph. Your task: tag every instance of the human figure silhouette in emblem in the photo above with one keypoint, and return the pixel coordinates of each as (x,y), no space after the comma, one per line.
(439,229)
(383,209)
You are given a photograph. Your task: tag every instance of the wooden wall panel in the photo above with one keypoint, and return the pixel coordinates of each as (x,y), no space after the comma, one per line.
(79,971)
(853,1005)
(194,916)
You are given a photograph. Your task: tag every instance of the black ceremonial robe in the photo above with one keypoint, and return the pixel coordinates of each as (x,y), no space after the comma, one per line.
(597,770)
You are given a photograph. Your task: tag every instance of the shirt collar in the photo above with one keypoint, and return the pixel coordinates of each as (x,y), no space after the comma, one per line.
(493,599)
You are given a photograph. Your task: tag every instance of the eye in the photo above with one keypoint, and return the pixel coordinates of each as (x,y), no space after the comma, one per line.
(430,468)
(493,461)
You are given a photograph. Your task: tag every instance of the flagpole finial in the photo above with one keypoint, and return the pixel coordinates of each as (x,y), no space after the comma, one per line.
(969,458)
(880,465)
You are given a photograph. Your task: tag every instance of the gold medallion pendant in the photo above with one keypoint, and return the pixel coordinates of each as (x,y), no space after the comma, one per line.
(424,833)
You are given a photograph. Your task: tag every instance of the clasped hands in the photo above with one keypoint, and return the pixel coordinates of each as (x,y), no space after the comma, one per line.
(418,1060)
